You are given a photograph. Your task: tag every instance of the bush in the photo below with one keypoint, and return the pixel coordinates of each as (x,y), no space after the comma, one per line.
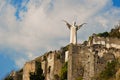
(63,74)
(115,33)
(79,78)
(110,71)
(66,48)
(104,34)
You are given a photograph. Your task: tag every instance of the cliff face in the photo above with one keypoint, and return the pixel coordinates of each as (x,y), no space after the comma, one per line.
(97,59)
(28,67)
(85,62)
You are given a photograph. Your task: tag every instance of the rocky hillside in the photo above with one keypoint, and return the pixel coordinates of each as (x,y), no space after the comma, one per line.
(95,59)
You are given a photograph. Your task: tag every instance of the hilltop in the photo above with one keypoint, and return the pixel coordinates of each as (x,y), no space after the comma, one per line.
(95,59)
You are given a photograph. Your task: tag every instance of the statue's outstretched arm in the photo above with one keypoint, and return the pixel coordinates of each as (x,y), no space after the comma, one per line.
(78,27)
(67,24)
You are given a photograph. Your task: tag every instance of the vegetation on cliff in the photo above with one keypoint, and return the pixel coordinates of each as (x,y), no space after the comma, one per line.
(109,73)
(114,33)
(66,48)
(63,74)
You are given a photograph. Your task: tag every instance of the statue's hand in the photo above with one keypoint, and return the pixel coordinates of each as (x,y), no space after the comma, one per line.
(69,26)
(78,27)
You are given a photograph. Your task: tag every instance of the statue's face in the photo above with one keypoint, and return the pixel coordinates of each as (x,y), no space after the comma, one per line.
(74,23)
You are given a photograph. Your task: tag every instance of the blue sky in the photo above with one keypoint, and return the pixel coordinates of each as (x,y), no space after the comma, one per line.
(116,3)
(19,7)
(29,28)
(6,65)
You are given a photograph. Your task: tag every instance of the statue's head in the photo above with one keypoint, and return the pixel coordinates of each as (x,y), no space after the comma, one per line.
(74,23)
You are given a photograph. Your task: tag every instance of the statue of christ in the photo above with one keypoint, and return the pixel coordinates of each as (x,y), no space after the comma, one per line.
(73,31)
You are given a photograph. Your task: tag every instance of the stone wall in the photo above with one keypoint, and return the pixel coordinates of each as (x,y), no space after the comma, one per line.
(109,45)
(107,42)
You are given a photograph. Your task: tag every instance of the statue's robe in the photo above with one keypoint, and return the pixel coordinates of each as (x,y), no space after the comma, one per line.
(73,35)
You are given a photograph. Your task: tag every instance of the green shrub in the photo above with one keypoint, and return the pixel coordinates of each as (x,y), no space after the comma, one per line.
(63,74)
(115,33)
(110,71)
(104,34)
(79,78)
(66,48)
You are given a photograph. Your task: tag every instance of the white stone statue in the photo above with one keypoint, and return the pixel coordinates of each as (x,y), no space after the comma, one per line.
(73,31)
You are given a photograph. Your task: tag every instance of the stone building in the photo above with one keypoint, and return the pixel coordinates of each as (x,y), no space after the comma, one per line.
(107,42)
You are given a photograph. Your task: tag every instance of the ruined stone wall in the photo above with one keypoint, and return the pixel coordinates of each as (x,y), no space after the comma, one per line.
(107,42)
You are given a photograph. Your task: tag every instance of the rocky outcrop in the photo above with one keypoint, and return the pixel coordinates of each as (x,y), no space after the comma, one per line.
(85,61)
(51,63)
(28,67)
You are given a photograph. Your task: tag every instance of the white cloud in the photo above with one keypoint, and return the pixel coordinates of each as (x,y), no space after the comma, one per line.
(20,62)
(42,29)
